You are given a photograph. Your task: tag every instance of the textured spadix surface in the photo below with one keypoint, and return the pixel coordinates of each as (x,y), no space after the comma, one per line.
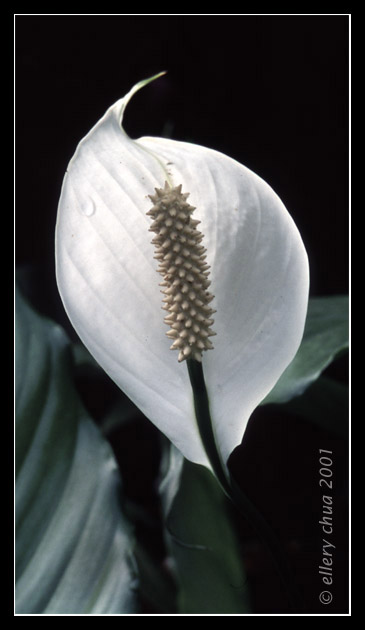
(184,270)
(106,274)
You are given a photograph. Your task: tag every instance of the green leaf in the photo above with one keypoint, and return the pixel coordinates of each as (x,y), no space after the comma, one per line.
(325,337)
(204,546)
(326,404)
(156,584)
(73,545)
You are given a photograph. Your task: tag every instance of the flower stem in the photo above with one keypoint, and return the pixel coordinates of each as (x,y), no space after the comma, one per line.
(231,487)
(202,413)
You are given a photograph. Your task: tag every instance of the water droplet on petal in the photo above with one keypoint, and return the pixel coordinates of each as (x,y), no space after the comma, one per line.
(88,207)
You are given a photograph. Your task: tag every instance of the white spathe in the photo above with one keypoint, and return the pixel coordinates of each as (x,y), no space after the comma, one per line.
(107,278)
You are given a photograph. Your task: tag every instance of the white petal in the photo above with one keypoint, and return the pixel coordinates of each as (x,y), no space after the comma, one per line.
(107,276)
(108,282)
(260,279)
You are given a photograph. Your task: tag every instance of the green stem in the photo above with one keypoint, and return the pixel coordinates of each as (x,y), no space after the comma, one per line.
(232,489)
(205,425)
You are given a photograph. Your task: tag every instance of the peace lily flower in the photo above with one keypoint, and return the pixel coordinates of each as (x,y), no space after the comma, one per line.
(247,250)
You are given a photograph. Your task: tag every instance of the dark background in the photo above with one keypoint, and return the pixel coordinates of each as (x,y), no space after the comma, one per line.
(270,91)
